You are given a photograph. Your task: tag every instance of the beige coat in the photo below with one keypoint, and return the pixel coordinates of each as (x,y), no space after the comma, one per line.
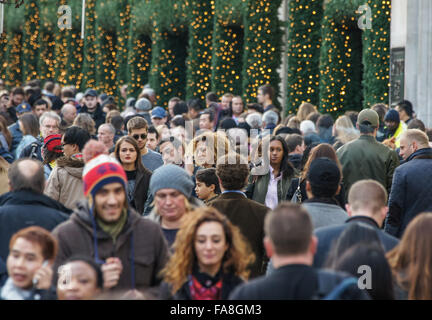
(65,182)
(4,180)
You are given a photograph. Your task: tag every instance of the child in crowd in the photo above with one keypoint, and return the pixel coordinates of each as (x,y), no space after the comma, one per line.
(207,185)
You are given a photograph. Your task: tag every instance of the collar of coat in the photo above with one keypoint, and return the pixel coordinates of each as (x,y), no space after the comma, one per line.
(420,153)
(364,219)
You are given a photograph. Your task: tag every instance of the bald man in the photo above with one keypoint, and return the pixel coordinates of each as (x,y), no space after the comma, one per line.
(25,205)
(106,133)
(68,114)
(412,182)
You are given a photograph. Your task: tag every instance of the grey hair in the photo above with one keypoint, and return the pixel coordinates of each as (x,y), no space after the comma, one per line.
(270,117)
(254,120)
(51,115)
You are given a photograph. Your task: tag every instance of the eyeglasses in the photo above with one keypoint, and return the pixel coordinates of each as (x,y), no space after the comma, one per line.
(142,135)
(64,144)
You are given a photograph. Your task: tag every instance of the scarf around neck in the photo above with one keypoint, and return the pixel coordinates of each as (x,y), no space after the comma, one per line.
(113,229)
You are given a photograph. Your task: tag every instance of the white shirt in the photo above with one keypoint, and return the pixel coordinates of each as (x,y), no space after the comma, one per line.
(271,200)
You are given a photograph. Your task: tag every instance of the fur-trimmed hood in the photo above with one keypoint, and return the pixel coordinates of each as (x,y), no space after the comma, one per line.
(72,165)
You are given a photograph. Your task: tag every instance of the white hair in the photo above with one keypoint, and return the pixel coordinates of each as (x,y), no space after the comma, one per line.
(254,120)
(307,126)
(270,117)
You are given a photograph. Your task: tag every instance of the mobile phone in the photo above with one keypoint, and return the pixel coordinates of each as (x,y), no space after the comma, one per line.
(35,281)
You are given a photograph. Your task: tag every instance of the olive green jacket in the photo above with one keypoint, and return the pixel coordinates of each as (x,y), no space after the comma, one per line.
(366,158)
(258,186)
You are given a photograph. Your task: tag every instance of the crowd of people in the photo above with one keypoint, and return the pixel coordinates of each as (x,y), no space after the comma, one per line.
(210,200)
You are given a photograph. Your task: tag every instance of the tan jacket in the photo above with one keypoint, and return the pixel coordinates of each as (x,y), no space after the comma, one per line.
(4,180)
(65,182)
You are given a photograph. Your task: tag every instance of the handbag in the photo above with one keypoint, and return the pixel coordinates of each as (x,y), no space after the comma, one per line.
(297,197)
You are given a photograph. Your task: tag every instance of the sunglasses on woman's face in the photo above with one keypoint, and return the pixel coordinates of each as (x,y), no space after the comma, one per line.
(142,136)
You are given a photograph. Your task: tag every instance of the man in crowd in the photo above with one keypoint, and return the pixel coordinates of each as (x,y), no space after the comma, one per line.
(143,107)
(322,185)
(412,182)
(290,243)
(393,127)
(49,124)
(237,108)
(172,151)
(365,158)
(153,139)
(40,107)
(158,116)
(265,97)
(206,120)
(367,203)
(106,133)
(92,107)
(68,115)
(26,205)
(138,129)
(296,147)
(233,172)
(270,120)
(405,110)
(130,249)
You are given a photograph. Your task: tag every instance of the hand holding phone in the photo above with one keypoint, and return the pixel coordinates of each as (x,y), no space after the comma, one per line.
(43,276)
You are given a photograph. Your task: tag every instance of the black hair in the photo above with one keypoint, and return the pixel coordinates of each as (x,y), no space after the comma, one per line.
(178,120)
(180,108)
(152,129)
(255,106)
(40,102)
(211,96)
(325,121)
(372,256)
(210,113)
(208,176)
(366,128)
(407,107)
(76,135)
(117,122)
(92,264)
(353,115)
(195,104)
(286,168)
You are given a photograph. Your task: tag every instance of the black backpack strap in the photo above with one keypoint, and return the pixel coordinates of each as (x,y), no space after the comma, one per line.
(33,153)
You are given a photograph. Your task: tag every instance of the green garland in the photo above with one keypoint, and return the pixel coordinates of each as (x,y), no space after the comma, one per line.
(90,47)
(262,50)
(46,41)
(349,55)
(303,49)
(124,9)
(139,47)
(376,55)
(30,46)
(167,74)
(227,61)
(200,49)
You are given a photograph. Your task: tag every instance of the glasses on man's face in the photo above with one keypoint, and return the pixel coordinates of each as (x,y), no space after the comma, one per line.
(64,144)
(142,136)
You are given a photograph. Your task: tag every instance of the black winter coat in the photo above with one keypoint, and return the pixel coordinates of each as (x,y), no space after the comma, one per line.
(22,209)
(98,116)
(141,191)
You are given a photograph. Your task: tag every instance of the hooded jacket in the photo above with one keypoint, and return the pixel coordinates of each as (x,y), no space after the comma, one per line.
(65,182)
(98,115)
(140,246)
(22,209)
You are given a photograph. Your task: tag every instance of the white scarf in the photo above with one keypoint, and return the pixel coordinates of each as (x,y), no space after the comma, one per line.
(11,292)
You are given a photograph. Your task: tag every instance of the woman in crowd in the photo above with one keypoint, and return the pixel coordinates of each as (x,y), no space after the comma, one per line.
(32,253)
(372,256)
(80,278)
(210,258)
(271,188)
(29,126)
(5,136)
(85,121)
(411,260)
(323,150)
(344,131)
(304,110)
(359,245)
(127,153)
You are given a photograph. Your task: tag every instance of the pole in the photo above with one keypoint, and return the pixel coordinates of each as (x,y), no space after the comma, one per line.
(1,18)
(83,19)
